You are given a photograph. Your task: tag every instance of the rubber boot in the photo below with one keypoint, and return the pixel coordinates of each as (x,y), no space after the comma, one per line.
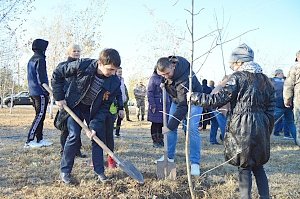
(111,163)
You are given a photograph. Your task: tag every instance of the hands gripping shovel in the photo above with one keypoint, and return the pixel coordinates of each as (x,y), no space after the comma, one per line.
(165,169)
(125,165)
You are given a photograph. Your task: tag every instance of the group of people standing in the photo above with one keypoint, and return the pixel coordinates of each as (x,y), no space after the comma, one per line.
(91,87)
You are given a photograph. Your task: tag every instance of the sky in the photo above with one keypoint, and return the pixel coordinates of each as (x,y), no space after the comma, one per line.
(272,25)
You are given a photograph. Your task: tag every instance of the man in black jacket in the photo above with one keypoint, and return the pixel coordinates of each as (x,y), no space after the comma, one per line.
(89,95)
(175,70)
(36,76)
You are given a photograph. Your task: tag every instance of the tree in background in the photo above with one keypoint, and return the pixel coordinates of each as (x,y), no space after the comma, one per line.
(13,14)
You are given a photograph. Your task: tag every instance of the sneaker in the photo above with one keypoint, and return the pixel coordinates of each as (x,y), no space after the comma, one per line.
(66,178)
(32,144)
(288,138)
(162,158)
(102,178)
(45,142)
(111,163)
(195,170)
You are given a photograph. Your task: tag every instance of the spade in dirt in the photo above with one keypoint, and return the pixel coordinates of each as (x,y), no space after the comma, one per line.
(165,169)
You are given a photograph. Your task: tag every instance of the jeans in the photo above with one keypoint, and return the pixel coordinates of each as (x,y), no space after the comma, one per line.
(288,117)
(245,182)
(195,139)
(219,121)
(72,144)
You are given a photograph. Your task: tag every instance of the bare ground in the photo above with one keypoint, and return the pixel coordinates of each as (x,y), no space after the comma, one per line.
(34,173)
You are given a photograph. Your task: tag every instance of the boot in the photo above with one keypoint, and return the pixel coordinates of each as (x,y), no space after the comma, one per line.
(142,117)
(111,163)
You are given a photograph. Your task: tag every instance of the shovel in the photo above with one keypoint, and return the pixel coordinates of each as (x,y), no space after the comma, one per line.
(165,169)
(125,165)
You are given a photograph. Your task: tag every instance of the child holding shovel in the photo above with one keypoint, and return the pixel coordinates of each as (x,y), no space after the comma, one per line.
(89,96)
(249,122)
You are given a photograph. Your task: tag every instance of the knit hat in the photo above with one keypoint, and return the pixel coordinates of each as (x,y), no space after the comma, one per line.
(297,55)
(277,71)
(242,53)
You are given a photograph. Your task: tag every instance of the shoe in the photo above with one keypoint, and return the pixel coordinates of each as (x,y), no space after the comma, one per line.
(195,169)
(215,143)
(102,177)
(33,144)
(80,155)
(45,142)
(111,163)
(288,138)
(66,178)
(129,120)
(276,134)
(142,118)
(161,143)
(117,135)
(162,158)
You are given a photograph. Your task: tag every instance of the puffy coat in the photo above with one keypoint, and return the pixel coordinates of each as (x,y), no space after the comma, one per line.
(250,120)
(155,99)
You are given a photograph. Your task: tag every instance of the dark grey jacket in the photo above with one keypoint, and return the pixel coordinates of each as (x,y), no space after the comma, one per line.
(178,87)
(251,119)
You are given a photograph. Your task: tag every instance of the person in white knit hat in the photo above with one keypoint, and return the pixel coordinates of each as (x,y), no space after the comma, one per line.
(249,122)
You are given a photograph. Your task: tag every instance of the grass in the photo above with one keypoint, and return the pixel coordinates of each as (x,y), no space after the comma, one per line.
(34,173)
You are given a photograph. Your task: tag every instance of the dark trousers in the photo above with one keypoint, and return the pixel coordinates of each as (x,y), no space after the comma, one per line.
(109,135)
(156,132)
(245,182)
(126,111)
(63,139)
(72,144)
(118,125)
(40,105)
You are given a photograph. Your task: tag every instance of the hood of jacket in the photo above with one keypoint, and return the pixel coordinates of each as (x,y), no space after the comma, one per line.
(182,67)
(39,45)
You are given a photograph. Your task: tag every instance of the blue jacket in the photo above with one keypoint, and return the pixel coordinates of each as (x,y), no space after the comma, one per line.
(155,99)
(36,69)
(85,70)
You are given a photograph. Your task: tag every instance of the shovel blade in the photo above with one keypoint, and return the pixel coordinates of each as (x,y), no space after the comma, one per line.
(166,170)
(131,170)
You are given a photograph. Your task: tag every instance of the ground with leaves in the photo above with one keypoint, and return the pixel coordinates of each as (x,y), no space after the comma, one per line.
(34,173)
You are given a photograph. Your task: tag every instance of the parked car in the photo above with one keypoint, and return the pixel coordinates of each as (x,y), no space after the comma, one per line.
(21,98)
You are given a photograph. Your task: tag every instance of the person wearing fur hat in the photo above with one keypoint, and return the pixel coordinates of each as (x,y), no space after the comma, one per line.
(291,96)
(250,120)
(36,76)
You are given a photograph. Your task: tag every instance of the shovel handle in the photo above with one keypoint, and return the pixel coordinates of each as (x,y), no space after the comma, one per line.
(165,122)
(85,128)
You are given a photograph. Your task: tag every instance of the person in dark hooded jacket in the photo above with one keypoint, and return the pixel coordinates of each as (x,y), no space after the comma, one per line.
(36,76)
(175,70)
(249,122)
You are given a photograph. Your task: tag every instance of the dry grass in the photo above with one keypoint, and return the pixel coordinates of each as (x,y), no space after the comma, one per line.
(34,173)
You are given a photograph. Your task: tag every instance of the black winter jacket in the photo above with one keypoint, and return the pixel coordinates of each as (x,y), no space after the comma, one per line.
(177,87)
(251,119)
(85,70)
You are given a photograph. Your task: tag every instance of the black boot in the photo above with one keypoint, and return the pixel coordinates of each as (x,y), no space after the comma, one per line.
(142,117)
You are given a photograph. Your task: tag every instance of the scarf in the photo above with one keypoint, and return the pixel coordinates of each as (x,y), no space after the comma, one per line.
(251,67)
